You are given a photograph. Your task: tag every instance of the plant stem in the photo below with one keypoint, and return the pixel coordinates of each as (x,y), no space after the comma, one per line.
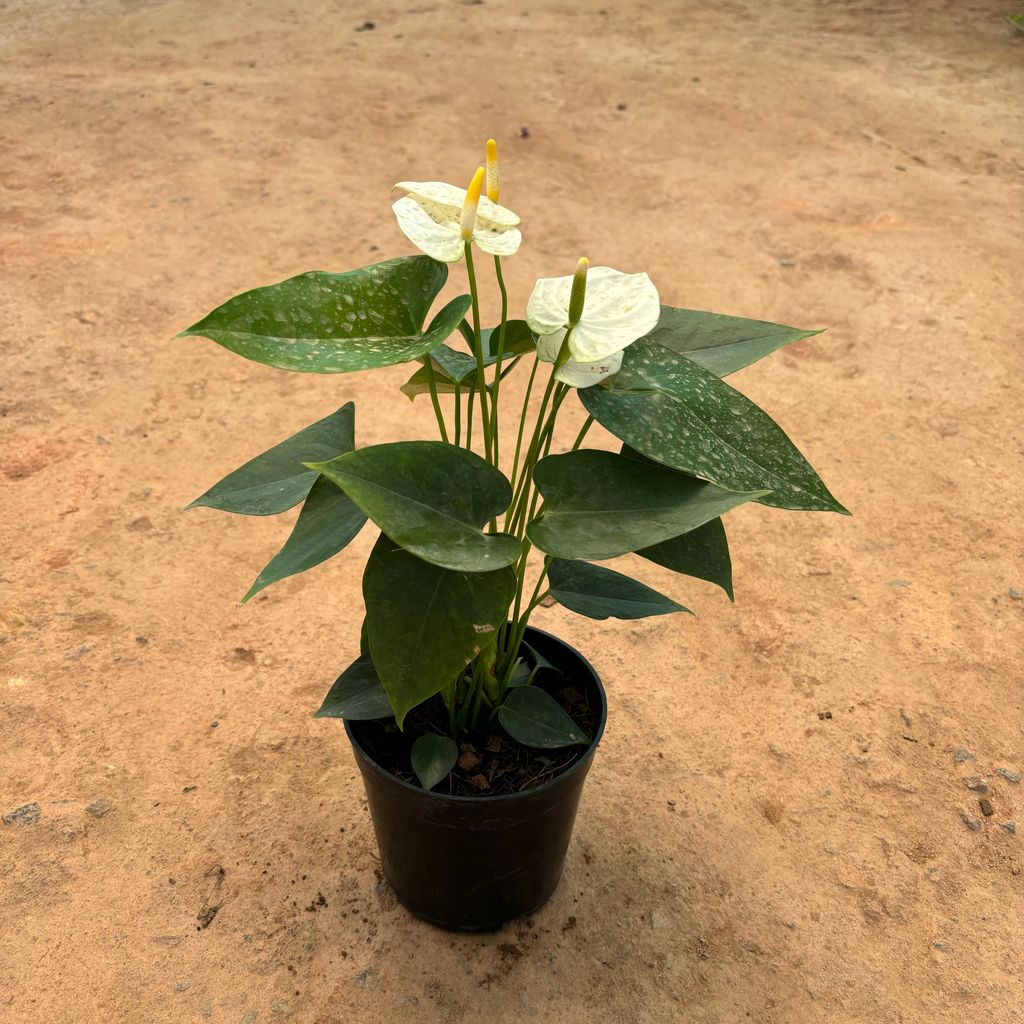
(500,357)
(469,418)
(433,399)
(582,434)
(458,415)
(478,351)
(522,419)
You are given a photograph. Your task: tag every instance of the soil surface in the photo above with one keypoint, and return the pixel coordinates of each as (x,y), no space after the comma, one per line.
(807,806)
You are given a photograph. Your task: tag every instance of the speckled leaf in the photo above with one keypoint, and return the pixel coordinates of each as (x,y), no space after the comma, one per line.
(320,322)
(534,718)
(328,521)
(431,498)
(356,694)
(721,344)
(702,553)
(424,624)
(600,593)
(683,416)
(277,480)
(433,757)
(600,505)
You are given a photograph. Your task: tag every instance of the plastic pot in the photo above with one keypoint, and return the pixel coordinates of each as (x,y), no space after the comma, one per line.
(471,863)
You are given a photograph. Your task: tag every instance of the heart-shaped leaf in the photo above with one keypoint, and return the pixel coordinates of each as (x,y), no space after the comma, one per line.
(534,718)
(600,505)
(328,521)
(683,416)
(432,499)
(433,758)
(721,344)
(277,480)
(702,553)
(337,323)
(357,694)
(600,593)
(424,624)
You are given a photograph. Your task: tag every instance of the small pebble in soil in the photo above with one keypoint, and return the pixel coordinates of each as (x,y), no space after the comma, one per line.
(367,26)
(1010,826)
(899,583)
(1010,776)
(99,807)
(907,720)
(986,806)
(974,824)
(960,755)
(183,986)
(823,715)
(364,978)
(524,132)
(27,814)
(1015,594)
(974,784)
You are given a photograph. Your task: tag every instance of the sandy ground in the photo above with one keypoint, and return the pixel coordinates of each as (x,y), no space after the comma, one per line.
(777,826)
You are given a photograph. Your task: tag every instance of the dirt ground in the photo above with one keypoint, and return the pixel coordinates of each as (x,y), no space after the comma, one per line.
(780,824)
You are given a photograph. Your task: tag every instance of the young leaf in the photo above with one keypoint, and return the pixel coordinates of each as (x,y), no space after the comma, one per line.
(432,499)
(601,593)
(532,717)
(683,416)
(433,757)
(337,323)
(277,480)
(600,505)
(356,694)
(702,553)
(721,344)
(328,521)
(424,623)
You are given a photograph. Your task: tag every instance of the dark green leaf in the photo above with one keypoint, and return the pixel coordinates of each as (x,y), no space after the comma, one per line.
(433,757)
(277,480)
(702,553)
(424,623)
(356,694)
(431,498)
(518,340)
(336,323)
(535,719)
(600,505)
(327,523)
(683,416)
(721,344)
(600,593)
(522,674)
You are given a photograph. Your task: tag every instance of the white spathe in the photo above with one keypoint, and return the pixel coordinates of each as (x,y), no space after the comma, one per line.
(619,309)
(430,216)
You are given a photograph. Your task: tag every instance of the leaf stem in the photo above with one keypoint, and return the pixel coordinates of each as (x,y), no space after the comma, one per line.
(478,351)
(433,399)
(500,357)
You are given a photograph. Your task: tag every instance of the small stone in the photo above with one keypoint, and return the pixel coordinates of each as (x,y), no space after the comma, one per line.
(251,1017)
(823,715)
(365,977)
(907,720)
(899,583)
(468,760)
(183,986)
(99,807)
(942,947)
(1010,776)
(974,784)
(480,781)
(986,806)
(1015,594)
(1010,826)
(960,755)
(213,725)
(189,789)
(974,824)
(77,652)
(784,262)
(27,814)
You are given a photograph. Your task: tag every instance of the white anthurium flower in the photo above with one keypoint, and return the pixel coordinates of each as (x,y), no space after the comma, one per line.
(617,309)
(431,217)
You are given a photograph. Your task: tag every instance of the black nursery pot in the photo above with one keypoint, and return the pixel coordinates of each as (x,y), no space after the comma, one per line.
(471,863)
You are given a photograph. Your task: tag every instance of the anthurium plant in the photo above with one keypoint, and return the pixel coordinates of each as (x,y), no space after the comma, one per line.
(499,513)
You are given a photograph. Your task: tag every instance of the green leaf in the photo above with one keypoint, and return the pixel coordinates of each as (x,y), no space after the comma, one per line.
(683,416)
(424,623)
(600,505)
(518,340)
(431,498)
(328,521)
(534,718)
(356,694)
(702,553)
(433,758)
(600,593)
(337,323)
(721,344)
(277,480)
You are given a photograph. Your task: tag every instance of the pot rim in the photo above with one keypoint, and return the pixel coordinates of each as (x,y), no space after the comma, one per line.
(583,762)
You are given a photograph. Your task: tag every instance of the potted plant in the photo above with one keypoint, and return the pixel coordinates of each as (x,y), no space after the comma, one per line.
(473,730)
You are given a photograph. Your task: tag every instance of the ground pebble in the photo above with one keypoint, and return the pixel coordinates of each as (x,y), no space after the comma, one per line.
(28,814)
(1010,776)
(1015,594)
(974,784)
(183,986)
(974,824)
(1011,827)
(960,755)
(99,807)
(986,806)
